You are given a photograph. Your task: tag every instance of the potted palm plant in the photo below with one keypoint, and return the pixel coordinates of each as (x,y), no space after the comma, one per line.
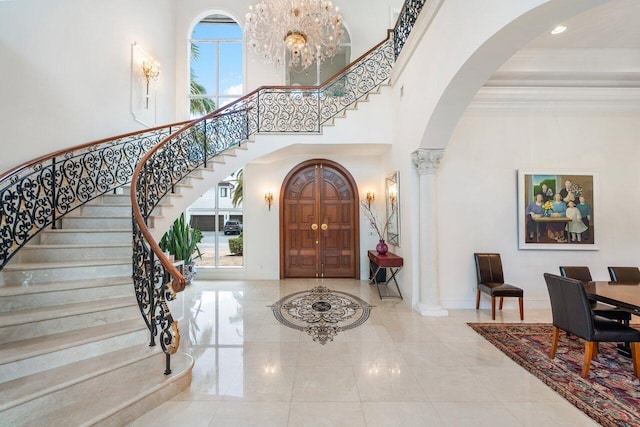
(181,241)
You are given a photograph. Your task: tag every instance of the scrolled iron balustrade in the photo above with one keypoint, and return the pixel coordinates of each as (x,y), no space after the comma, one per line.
(408,17)
(34,196)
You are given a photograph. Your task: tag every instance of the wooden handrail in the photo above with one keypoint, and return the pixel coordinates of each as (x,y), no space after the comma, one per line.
(49,156)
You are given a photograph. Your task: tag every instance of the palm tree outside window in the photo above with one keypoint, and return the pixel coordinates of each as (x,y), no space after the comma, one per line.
(216,64)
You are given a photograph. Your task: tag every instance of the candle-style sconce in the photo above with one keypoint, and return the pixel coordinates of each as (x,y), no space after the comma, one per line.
(151,71)
(371,196)
(392,198)
(268,197)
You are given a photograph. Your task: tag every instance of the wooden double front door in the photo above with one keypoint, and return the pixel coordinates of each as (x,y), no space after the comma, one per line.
(319,222)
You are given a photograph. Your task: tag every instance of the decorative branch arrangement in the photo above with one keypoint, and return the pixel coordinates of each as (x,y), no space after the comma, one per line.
(372,217)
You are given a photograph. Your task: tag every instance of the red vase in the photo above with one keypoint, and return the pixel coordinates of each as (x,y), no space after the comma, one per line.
(382,247)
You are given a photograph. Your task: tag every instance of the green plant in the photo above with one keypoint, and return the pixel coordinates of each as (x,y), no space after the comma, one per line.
(239,188)
(198,106)
(181,240)
(235,245)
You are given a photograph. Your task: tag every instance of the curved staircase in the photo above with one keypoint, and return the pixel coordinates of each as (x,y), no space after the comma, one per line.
(74,350)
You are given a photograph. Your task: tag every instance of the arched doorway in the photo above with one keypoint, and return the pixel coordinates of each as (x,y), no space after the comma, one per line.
(319,222)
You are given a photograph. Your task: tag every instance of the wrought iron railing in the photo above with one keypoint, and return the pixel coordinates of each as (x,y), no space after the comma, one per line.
(407,18)
(304,109)
(35,195)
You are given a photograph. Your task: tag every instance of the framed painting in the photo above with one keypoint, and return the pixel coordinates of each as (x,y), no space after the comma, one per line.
(557,209)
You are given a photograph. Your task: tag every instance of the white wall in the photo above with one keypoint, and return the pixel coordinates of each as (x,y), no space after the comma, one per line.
(478,194)
(66,70)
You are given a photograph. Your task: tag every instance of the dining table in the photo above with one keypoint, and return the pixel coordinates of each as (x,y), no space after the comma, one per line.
(625,296)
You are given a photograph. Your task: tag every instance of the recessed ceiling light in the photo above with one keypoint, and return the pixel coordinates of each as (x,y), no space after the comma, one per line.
(559,29)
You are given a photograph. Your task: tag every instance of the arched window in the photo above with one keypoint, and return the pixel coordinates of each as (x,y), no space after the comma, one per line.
(317,74)
(216,65)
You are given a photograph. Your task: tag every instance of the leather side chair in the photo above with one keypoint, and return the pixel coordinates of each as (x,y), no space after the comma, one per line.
(491,282)
(624,274)
(571,313)
(599,309)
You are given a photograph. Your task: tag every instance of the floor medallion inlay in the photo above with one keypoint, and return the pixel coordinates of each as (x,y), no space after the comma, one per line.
(321,312)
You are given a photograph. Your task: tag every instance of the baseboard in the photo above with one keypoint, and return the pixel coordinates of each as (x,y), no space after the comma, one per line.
(485,303)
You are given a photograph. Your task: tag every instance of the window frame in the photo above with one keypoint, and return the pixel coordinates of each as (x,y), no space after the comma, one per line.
(225,19)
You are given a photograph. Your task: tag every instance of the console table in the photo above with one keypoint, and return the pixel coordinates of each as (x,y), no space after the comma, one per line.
(378,266)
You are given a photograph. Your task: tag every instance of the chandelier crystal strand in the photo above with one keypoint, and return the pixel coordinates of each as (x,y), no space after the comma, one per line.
(311,30)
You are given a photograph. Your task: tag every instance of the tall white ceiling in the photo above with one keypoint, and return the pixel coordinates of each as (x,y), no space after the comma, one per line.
(601,48)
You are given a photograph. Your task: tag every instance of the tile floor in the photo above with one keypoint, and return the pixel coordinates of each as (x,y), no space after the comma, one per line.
(398,369)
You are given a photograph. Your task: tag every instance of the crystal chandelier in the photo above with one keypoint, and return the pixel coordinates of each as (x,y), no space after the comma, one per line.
(311,30)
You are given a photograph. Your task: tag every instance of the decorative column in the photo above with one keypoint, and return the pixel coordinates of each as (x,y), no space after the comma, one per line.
(427,162)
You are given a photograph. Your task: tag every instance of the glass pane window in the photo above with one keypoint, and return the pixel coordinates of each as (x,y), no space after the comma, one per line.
(230,75)
(317,74)
(216,64)
(221,224)
(204,62)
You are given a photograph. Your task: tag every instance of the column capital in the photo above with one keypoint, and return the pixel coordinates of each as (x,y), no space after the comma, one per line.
(427,160)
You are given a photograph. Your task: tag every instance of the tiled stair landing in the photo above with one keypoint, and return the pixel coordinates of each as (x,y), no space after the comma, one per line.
(73,344)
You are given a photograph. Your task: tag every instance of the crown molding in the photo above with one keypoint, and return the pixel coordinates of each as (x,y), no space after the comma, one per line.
(555,98)
(570,68)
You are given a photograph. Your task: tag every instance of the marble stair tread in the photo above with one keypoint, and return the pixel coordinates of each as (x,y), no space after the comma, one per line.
(17,350)
(98,217)
(11,289)
(111,203)
(24,389)
(124,394)
(47,313)
(64,264)
(89,230)
(76,246)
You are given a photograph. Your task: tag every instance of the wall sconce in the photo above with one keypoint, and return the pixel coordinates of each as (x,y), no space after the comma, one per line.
(268,197)
(151,71)
(370,198)
(392,199)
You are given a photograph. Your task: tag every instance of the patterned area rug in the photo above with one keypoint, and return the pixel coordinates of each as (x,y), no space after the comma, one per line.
(321,312)
(611,394)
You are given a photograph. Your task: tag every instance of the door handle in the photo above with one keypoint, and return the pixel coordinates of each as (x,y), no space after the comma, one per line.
(314,226)
(324,227)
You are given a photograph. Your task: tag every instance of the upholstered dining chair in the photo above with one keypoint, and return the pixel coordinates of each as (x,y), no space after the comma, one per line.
(491,282)
(599,309)
(571,313)
(624,274)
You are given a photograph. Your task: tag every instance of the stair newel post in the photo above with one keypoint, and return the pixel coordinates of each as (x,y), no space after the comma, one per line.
(167,364)
(53,193)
